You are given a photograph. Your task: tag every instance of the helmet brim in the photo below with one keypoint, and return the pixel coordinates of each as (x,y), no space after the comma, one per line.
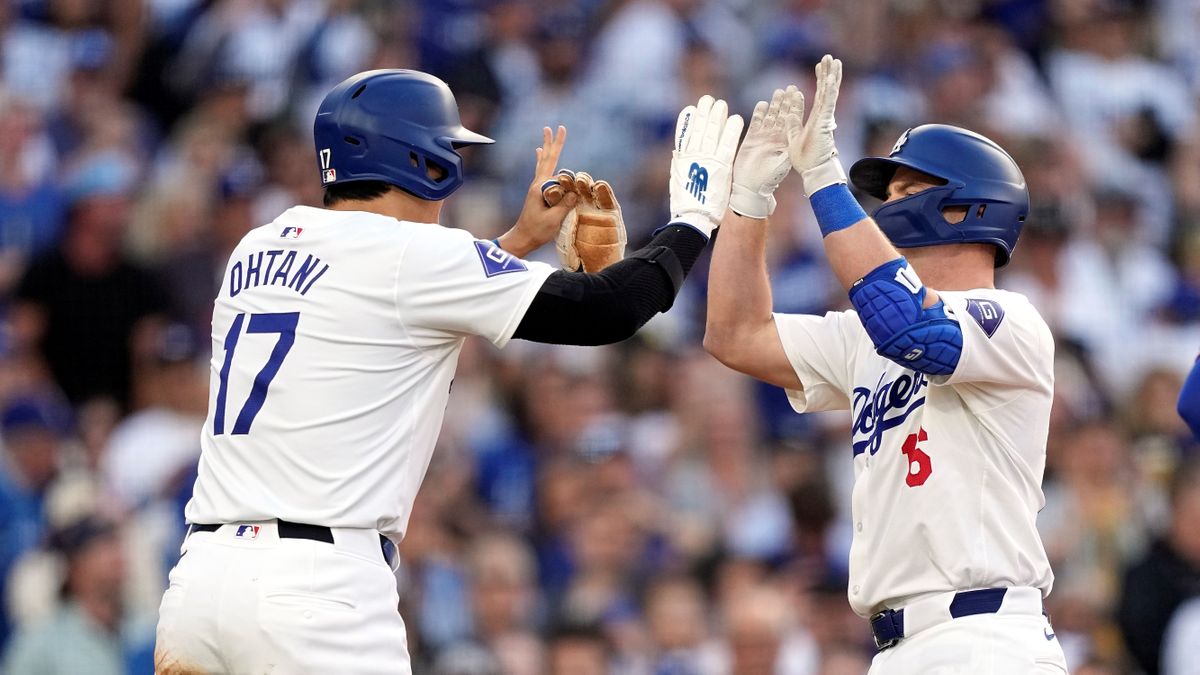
(872,174)
(464,136)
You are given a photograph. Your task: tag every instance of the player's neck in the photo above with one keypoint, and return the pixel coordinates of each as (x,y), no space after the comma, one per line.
(954,267)
(396,204)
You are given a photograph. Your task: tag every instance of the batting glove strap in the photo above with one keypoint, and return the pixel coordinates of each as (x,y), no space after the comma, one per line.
(746,202)
(829,172)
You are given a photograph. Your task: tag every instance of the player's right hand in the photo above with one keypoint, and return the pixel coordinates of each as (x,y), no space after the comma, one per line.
(706,138)
(810,143)
(762,162)
(539,221)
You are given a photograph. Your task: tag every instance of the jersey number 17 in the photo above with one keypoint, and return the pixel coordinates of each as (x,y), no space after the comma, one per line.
(284,325)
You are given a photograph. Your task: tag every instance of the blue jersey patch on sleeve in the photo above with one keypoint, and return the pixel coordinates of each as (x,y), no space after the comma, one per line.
(987,313)
(496,260)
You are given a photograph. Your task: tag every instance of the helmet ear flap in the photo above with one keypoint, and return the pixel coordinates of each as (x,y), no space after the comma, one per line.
(432,169)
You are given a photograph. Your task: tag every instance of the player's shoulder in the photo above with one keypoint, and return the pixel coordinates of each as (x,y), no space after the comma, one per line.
(996,309)
(841,325)
(305,222)
(435,235)
(447,250)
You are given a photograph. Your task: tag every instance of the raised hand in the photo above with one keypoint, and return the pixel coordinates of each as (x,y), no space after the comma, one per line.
(763,162)
(539,221)
(706,139)
(810,143)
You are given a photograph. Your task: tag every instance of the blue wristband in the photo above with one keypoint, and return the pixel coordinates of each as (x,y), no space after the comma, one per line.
(835,208)
(496,241)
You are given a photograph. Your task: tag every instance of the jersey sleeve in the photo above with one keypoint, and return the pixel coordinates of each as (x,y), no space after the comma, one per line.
(1005,342)
(821,350)
(450,284)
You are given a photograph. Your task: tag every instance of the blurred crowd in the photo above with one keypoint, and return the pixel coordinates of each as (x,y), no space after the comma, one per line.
(632,509)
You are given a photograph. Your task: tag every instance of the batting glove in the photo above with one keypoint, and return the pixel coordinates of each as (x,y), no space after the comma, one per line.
(706,139)
(592,236)
(762,162)
(810,144)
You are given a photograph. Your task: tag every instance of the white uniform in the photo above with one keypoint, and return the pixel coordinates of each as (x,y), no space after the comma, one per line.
(948,473)
(335,340)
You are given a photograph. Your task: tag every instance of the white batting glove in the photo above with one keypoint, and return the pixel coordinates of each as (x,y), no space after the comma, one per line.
(762,162)
(810,144)
(706,138)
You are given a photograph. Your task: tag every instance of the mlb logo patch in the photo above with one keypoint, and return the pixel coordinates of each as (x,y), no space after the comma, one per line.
(247,531)
(291,233)
(496,260)
(328,175)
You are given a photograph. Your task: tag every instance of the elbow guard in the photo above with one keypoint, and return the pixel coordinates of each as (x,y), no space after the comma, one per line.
(889,302)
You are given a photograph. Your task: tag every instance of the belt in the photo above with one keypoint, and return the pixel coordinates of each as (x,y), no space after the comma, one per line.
(289,530)
(892,625)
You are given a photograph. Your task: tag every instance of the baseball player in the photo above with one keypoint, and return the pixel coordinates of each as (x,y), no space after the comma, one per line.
(335,338)
(949,390)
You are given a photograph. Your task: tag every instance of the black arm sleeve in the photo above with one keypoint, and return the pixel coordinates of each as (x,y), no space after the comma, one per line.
(573,308)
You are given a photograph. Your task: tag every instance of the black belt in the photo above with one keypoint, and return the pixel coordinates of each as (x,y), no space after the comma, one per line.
(290,530)
(888,625)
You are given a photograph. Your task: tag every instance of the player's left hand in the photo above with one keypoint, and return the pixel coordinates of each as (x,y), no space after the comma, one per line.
(762,162)
(592,235)
(810,144)
(539,221)
(706,140)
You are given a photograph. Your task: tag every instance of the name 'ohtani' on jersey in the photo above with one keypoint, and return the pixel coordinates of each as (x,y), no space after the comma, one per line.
(275,268)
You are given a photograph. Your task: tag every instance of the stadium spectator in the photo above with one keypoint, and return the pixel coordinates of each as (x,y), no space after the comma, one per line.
(577,650)
(84,634)
(173,398)
(33,428)
(88,289)
(1156,585)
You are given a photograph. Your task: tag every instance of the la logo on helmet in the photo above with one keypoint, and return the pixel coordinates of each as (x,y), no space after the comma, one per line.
(901,141)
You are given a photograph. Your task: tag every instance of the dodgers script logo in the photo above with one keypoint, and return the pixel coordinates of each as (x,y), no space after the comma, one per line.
(697,181)
(871,409)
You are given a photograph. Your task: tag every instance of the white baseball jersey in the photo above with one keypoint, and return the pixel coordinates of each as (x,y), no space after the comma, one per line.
(948,469)
(335,339)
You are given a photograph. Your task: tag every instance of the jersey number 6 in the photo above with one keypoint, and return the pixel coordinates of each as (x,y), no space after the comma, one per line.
(285,326)
(919,463)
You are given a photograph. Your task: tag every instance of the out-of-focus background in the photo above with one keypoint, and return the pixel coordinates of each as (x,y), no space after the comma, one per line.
(631,509)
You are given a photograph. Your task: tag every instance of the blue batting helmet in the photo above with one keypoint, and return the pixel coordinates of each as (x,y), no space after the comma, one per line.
(397,126)
(979,175)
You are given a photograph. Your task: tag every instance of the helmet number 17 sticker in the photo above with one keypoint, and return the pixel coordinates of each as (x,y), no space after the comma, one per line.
(328,175)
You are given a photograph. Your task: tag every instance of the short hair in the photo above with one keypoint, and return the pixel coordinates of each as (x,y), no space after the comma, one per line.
(359,191)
